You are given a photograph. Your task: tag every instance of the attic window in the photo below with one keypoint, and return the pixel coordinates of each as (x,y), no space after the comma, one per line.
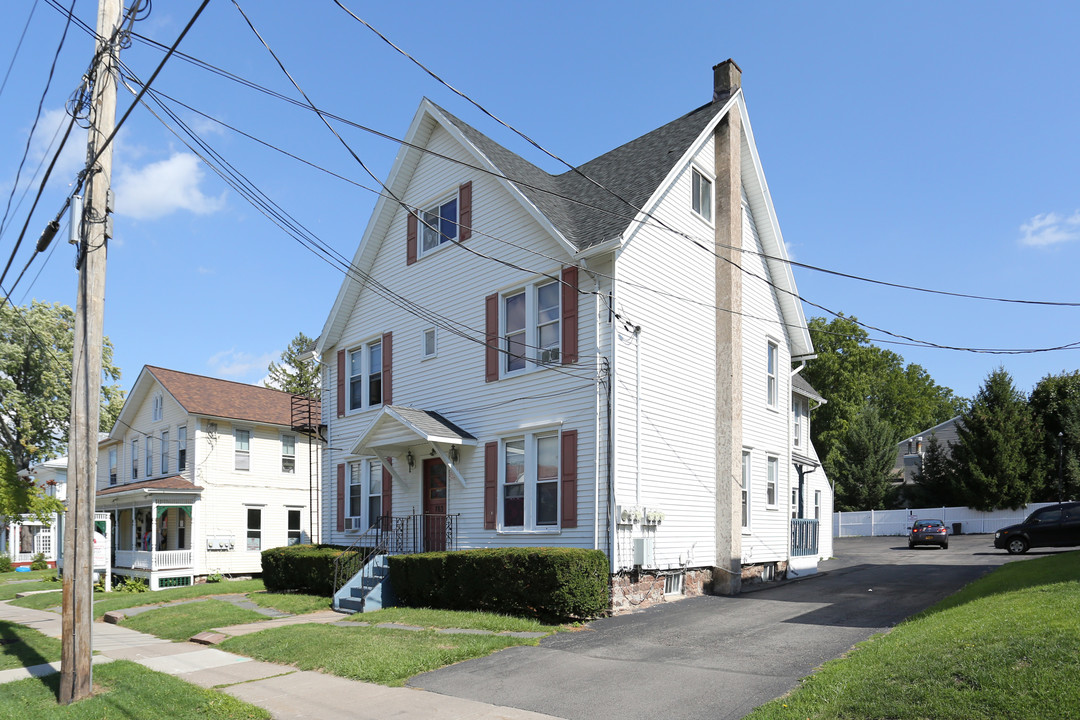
(439,225)
(158,404)
(701,195)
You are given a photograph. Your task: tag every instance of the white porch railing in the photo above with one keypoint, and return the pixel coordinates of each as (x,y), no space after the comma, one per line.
(159,560)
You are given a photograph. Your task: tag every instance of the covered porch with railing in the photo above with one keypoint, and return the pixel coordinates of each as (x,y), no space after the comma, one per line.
(152,537)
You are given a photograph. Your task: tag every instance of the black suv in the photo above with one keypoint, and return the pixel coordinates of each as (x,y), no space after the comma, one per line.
(1052,526)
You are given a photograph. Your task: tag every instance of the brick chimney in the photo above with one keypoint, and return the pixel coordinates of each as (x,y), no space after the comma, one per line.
(727,78)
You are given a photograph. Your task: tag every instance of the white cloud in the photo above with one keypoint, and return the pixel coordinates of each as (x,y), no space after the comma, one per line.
(163,187)
(205,270)
(1050,229)
(50,129)
(233,363)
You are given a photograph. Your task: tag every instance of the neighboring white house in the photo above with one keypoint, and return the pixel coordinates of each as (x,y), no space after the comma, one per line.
(22,540)
(598,359)
(200,475)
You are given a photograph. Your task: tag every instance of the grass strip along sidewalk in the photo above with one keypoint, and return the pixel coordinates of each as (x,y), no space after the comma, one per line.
(1005,646)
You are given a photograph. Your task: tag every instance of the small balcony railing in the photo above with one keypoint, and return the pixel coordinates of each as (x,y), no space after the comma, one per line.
(157,560)
(804,537)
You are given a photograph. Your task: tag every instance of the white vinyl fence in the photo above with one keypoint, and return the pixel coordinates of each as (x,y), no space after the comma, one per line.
(898,522)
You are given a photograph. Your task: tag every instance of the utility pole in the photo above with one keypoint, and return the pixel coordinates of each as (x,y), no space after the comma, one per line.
(76,680)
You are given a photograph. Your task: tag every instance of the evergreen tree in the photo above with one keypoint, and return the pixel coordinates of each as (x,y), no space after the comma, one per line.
(1056,404)
(935,482)
(294,374)
(864,471)
(997,440)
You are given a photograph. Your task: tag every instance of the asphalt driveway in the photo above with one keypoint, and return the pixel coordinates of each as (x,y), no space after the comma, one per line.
(719,657)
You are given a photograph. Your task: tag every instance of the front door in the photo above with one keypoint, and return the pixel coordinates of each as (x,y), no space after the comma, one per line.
(434,505)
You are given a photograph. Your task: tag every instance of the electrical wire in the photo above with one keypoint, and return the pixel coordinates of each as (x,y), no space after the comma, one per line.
(18,46)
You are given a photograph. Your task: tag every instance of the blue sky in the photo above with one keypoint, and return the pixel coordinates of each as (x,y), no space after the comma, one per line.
(931,144)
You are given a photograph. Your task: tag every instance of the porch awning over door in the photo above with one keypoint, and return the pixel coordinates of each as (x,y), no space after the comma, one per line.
(397,428)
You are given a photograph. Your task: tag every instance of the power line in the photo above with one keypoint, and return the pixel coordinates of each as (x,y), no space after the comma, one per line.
(18,46)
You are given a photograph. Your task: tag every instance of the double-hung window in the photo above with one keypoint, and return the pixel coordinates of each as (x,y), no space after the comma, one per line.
(817,504)
(365,493)
(438,224)
(112,466)
(254,529)
(288,453)
(181,448)
(798,407)
(159,404)
(701,195)
(772,480)
(430,345)
(531,321)
(365,376)
(149,457)
(745,491)
(772,362)
(164,451)
(530,482)
(134,459)
(243,450)
(292,535)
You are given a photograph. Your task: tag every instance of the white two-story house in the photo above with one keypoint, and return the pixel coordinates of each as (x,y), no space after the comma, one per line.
(599,359)
(29,536)
(200,475)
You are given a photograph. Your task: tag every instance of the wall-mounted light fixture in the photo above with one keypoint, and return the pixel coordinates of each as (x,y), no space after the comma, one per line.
(409,459)
(453,453)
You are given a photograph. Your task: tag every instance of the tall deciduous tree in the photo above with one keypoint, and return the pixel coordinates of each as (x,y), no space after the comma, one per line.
(294,374)
(35,381)
(996,441)
(851,373)
(20,496)
(1056,404)
(864,471)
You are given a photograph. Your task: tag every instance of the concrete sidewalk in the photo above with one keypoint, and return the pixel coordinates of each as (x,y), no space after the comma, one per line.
(283,690)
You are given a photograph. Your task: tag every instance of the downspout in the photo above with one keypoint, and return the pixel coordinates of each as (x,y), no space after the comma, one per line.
(637,415)
(596,418)
(612,464)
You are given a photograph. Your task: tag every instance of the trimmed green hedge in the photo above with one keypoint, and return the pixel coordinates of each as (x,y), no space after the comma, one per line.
(303,568)
(552,584)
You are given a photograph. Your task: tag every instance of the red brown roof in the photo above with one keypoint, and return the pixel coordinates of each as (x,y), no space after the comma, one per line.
(174,482)
(201,395)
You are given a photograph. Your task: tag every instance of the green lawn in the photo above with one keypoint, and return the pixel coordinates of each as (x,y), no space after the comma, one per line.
(124,690)
(1006,646)
(388,657)
(104,602)
(21,647)
(425,617)
(291,603)
(44,581)
(32,575)
(180,622)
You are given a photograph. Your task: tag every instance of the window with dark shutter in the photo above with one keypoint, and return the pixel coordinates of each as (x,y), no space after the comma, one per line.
(387,492)
(491,338)
(570,315)
(491,484)
(341,383)
(569,460)
(465,212)
(341,497)
(387,369)
(410,239)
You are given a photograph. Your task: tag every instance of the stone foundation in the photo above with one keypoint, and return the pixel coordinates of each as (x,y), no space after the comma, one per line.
(755,574)
(636,590)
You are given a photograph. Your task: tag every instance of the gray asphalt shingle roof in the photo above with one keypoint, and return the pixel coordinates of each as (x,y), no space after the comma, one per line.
(585,213)
(431,424)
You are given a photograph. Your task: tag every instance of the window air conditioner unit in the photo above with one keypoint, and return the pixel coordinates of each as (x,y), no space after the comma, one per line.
(352,523)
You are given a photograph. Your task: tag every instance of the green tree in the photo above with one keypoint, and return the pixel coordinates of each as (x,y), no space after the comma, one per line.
(935,483)
(296,373)
(864,474)
(996,442)
(1055,402)
(851,373)
(20,496)
(35,381)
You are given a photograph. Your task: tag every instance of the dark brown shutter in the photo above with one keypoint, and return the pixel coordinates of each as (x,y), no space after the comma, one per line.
(491,485)
(569,352)
(387,491)
(491,325)
(410,240)
(387,368)
(465,211)
(341,497)
(341,383)
(569,461)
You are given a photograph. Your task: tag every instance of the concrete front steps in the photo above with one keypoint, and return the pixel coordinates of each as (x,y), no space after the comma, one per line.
(368,590)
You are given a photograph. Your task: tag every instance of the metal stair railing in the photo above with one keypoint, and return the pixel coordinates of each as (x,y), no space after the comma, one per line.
(393,535)
(358,555)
